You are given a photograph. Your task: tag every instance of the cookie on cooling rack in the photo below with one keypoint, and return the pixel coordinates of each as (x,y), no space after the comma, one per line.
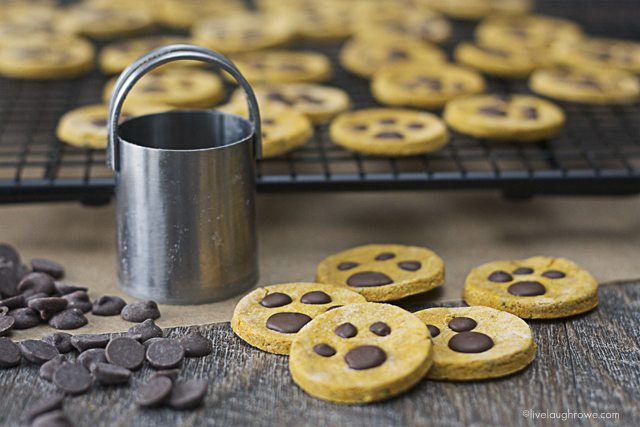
(504,61)
(117,56)
(599,53)
(280,66)
(101,20)
(477,9)
(184,13)
(422,24)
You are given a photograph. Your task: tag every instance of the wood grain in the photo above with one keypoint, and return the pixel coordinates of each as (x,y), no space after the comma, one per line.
(589,363)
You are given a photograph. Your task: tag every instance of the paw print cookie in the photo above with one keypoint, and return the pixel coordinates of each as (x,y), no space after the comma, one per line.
(279,66)
(184,13)
(428,86)
(361,353)
(587,85)
(389,132)
(533,288)
(383,272)
(117,56)
(422,24)
(503,61)
(599,53)
(269,318)
(505,117)
(103,21)
(475,343)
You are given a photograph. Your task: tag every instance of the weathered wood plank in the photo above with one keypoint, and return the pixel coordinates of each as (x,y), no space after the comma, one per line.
(589,363)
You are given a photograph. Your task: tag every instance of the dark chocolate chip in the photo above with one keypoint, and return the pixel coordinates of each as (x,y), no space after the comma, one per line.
(359,127)
(52,419)
(324,350)
(397,53)
(72,318)
(310,99)
(268,121)
(10,354)
(365,279)
(526,289)
(3,310)
(108,305)
(165,354)
(530,113)
(196,345)
(147,330)
(553,274)
(99,122)
(35,296)
(385,256)
(60,340)
(109,374)
(278,97)
(387,121)
(430,82)
(470,342)
(85,342)
(365,357)
(150,341)
(125,352)
(333,307)
(380,328)
(65,288)
(34,283)
(433,330)
(188,395)
(91,357)
(493,110)
(346,330)
(25,318)
(37,351)
(172,374)
(389,135)
(140,311)
(48,306)
(48,404)
(500,277)
(462,324)
(287,323)
(523,270)
(79,300)
(154,392)
(410,265)
(347,265)
(50,366)
(276,299)
(6,324)
(415,125)
(52,268)
(13,302)
(72,378)
(315,297)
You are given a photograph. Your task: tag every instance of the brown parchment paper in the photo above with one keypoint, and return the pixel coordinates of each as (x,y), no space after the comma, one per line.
(297,230)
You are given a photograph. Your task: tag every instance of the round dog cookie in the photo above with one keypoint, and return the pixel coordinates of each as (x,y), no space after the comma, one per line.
(502,61)
(389,132)
(527,31)
(383,272)
(363,56)
(243,32)
(424,86)
(279,66)
(184,13)
(505,117)
(117,56)
(175,85)
(533,288)
(50,58)
(475,343)
(592,86)
(422,24)
(361,353)
(476,9)
(319,103)
(101,21)
(87,126)
(599,52)
(269,318)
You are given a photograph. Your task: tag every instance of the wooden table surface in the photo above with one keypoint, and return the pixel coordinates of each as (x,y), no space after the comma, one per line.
(586,364)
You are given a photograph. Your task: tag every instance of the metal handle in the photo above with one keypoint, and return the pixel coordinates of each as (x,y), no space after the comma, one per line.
(156,58)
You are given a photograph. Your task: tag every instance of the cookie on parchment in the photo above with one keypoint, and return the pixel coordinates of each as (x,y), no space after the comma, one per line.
(599,52)
(361,353)
(533,288)
(505,117)
(269,318)
(424,86)
(280,66)
(504,61)
(117,56)
(591,85)
(102,21)
(477,9)
(475,343)
(383,272)
(389,132)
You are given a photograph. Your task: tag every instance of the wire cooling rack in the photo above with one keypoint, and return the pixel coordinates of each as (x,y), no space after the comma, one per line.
(597,153)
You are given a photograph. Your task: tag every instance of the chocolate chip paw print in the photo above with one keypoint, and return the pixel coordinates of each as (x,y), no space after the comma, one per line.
(533,288)
(383,272)
(360,353)
(472,343)
(269,318)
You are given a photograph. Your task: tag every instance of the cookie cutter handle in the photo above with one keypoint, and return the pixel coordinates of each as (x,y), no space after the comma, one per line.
(160,56)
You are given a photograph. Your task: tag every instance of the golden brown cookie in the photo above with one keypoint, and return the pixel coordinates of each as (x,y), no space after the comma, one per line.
(477,9)
(422,24)
(184,13)
(360,353)
(102,21)
(280,66)
(383,272)
(599,53)
(269,318)
(504,61)
(475,343)
(117,56)
(533,288)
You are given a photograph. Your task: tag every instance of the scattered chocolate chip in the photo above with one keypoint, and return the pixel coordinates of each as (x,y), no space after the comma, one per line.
(500,277)
(276,299)
(35,296)
(10,354)
(25,318)
(462,324)
(79,300)
(109,374)
(48,306)
(530,113)
(52,268)
(140,311)
(6,324)
(553,274)
(150,341)
(333,307)
(48,404)
(365,357)
(287,323)
(493,110)
(37,351)
(165,354)
(66,289)
(346,330)
(526,289)
(385,256)
(60,340)
(125,352)
(523,270)
(188,395)
(389,135)
(72,318)
(72,378)
(365,279)
(433,330)
(147,329)
(52,419)
(415,125)
(196,345)
(91,357)
(380,328)
(13,302)
(49,367)
(85,342)
(108,305)
(3,310)
(154,392)
(315,297)
(470,342)
(410,265)
(347,265)
(359,127)
(324,350)
(34,283)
